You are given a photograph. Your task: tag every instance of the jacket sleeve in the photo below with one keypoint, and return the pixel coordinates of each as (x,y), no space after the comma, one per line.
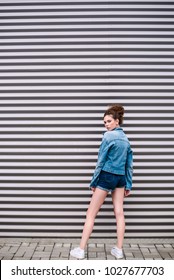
(129,169)
(102,155)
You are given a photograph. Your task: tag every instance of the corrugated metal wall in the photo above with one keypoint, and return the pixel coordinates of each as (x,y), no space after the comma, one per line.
(61,64)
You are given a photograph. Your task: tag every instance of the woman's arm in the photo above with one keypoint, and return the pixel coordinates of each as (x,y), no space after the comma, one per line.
(129,169)
(102,154)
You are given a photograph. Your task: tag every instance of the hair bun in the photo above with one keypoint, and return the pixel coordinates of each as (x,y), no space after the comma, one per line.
(118,108)
(117,111)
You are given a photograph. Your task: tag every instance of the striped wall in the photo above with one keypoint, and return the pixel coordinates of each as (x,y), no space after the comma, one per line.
(61,64)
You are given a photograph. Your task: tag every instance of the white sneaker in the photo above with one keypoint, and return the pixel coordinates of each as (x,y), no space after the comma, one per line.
(116,252)
(78,253)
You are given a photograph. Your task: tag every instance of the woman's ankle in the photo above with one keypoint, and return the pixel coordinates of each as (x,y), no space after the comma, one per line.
(120,247)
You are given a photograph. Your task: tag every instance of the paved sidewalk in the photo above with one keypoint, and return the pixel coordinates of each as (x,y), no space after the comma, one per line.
(59,249)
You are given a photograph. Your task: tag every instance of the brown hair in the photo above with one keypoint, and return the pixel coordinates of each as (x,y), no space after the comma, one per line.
(117,112)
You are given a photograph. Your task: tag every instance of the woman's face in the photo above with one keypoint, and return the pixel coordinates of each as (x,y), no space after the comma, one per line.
(110,123)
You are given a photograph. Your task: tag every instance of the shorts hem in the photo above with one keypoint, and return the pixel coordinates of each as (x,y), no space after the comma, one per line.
(104,189)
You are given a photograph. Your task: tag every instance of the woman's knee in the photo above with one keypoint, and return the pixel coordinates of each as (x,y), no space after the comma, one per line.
(119,212)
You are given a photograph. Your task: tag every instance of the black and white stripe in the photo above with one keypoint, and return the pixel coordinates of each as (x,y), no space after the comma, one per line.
(61,64)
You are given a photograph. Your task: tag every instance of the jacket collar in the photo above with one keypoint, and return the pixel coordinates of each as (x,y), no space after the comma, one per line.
(117,128)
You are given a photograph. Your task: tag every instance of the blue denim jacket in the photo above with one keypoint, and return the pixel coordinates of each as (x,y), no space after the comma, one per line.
(115,156)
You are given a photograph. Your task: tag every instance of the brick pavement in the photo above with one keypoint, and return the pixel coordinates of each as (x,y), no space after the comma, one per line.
(59,249)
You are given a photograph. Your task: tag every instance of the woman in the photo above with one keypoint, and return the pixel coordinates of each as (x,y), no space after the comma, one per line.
(113,173)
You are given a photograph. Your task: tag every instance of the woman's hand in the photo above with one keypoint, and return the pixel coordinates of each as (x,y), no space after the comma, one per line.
(93,189)
(126,192)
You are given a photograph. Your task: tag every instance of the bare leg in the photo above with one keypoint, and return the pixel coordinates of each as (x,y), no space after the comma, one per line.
(95,204)
(117,198)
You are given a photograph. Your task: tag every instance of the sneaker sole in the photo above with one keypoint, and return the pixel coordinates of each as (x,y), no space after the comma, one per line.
(121,257)
(78,258)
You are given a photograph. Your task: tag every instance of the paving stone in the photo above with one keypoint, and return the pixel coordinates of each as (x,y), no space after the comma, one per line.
(47,242)
(66,245)
(95,249)
(128,254)
(40,248)
(172,255)
(144,249)
(92,245)
(25,244)
(110,257)
(92,255)
(134,246)
(20,258)
(165,256)
(7,257)
(27,248)
(126,245)
(58,245)
(54,248)
(4,249)
(153,250)
(21,251)
(48,248)
(41,255)
(100,245)
(167,245)
(13,249)
(101,255)
(55,254)
(28,256)
(138,255)
(64,254)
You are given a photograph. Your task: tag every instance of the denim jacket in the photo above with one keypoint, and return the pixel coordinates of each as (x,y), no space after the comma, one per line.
(115,156)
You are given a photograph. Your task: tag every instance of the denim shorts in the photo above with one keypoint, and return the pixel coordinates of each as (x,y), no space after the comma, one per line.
(109,181)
